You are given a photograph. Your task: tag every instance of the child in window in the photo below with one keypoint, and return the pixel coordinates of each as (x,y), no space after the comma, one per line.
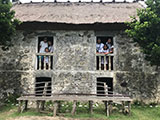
(50,46)
(99,45)
(46,59)
(43,45)
(51,49)
(109,44)
(105,50)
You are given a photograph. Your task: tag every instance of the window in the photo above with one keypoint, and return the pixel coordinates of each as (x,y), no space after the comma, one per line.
(104,53)
(45,50)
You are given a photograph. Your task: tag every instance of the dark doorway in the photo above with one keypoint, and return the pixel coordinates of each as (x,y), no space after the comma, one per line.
(40,86)
(100,85)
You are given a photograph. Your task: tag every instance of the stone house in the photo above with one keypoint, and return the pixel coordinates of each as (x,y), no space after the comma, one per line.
(74,66)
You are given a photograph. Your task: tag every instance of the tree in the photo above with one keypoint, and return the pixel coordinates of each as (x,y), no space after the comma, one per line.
(145,30)
(7,22)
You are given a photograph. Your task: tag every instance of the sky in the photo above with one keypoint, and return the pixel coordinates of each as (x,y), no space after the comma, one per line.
(27,1)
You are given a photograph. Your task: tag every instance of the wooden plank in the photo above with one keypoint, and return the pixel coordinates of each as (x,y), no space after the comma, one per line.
(75,98)
(74,107)
(42,54)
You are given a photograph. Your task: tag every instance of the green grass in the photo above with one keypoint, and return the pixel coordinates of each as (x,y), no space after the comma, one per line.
(138,113)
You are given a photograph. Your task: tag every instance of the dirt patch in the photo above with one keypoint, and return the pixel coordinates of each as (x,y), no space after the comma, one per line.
(49,118)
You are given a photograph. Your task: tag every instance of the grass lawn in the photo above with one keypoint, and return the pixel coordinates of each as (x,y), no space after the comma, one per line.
(138,113)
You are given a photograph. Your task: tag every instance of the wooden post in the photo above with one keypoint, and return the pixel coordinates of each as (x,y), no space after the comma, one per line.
(59,106)
(45,89)
(109,64)
(106,108)
(20,102)
(42,105)
(129,107)
(105,89)
(40,62)
(99,62)
(26,105)
(55,109)
(90,107)
(74,107)
(38,105)
(44,63)
(105,61)
(49,62)
(110,107)
(123,106)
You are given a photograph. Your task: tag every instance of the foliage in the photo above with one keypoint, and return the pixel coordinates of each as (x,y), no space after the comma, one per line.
(7,22)
(145,30)
(138,112)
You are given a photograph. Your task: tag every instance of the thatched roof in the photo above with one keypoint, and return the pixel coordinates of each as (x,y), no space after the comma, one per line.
(76,13)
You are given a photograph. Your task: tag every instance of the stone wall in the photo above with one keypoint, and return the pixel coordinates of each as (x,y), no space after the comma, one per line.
(74,67)
(134,75)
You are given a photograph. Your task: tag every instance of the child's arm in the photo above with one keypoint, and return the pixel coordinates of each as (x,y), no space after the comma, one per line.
(106,53)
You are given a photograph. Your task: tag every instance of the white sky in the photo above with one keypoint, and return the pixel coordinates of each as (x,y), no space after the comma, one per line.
(27,1)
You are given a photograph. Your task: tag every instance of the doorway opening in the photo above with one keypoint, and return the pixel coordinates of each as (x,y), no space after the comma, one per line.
(101,83)
(43,86)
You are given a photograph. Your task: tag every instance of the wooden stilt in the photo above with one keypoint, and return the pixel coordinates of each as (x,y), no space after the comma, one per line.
(123,107)
(90,107)
(74,107)
(59,106)
(55,109)
(129,107)
(42,105)
(38,106)
(26,105)
(110,107)
(20,102)
(106,108)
